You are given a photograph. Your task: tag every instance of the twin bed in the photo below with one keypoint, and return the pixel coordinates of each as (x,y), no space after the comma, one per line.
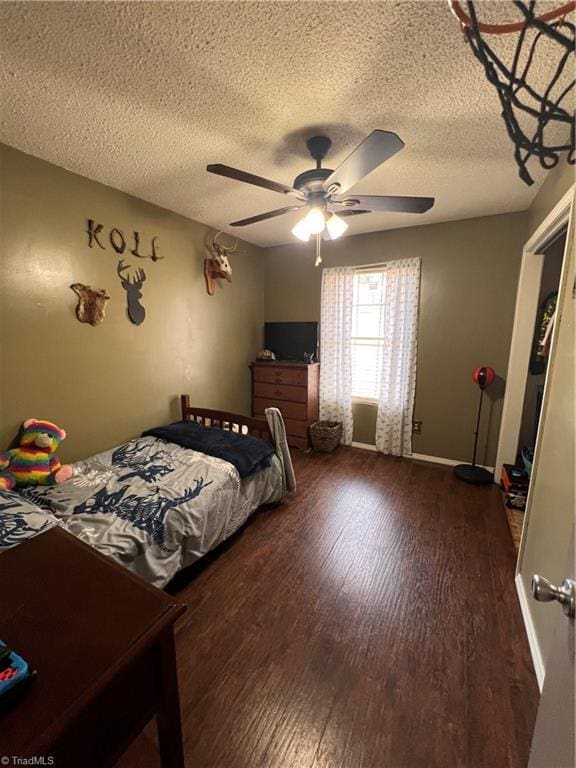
(160,502)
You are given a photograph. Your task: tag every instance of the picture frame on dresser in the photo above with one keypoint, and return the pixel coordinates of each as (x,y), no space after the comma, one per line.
(293,388)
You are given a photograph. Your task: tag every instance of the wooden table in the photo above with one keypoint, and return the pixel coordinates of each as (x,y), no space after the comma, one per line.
(102,641)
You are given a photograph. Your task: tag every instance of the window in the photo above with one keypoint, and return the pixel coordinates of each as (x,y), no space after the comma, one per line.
(367,334)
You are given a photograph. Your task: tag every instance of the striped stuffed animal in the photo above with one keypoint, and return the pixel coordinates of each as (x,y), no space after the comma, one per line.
(34,462)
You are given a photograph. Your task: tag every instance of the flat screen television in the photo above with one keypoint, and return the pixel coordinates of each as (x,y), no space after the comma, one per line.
(292,341)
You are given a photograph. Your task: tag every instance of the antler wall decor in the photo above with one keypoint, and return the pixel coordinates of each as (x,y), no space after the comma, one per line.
(136,311)
(218,266)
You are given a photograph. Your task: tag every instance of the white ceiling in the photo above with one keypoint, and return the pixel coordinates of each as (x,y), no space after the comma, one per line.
(141,96)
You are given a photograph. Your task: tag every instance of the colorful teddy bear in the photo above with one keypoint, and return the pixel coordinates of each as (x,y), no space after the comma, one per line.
(34,462)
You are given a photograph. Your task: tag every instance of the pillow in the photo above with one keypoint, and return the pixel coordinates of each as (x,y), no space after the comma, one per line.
(20,519)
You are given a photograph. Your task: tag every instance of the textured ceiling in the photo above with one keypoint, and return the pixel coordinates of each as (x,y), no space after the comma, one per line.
(141,96)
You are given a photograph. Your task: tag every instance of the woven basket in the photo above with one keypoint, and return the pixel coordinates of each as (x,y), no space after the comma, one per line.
(325,435)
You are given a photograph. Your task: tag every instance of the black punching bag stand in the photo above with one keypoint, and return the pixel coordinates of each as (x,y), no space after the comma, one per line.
(471,473)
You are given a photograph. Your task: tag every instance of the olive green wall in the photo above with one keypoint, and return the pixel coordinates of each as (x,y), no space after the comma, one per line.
(107,383)
(557,183)
(469,274)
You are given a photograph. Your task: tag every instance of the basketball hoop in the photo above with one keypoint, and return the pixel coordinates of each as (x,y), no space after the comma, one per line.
(552,109)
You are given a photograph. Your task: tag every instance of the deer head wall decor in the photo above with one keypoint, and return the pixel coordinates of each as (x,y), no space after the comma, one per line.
(136,311)
(91,304)
(218,266)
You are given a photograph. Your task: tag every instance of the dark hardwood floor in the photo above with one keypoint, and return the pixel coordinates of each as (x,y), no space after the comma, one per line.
(371,622)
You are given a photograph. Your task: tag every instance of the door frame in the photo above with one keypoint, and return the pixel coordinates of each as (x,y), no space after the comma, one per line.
(521,345)
(525,312)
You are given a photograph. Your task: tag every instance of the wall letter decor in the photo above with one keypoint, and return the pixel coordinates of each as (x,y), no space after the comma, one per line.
(117,240)
(154,255)
(93,232)
(91,304)
(134,250)
(136,311)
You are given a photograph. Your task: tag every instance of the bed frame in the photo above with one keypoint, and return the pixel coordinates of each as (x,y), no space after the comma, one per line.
(233,422)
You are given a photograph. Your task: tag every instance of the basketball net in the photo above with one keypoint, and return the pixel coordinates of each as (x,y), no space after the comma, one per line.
(539,117)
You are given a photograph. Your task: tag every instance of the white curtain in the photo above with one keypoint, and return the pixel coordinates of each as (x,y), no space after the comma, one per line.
(336,348)
(398,379)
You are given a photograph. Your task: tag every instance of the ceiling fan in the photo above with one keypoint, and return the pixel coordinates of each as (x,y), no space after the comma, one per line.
(323,192)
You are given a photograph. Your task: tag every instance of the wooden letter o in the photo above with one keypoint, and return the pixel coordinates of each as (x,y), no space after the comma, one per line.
(119,247)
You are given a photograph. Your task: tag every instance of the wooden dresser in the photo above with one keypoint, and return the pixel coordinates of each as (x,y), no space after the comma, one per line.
(291,387)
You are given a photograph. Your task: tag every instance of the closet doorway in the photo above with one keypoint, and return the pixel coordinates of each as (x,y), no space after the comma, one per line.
(516,477)
(550,231)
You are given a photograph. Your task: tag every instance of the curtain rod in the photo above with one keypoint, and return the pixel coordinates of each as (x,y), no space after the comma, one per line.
(378,265)
(375,265)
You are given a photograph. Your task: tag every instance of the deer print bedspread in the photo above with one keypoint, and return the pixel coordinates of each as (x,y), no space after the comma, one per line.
(20,519)
(156,507)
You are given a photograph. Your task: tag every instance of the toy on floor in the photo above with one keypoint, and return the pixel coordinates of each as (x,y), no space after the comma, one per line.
(515,501)
(514,482)
(34,462)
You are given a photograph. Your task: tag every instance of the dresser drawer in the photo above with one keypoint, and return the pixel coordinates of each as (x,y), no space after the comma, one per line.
(298,442)
(276,375)
(280,392)
(297,428)
(288,410)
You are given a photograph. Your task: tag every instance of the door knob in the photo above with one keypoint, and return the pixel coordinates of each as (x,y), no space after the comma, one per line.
(544,591)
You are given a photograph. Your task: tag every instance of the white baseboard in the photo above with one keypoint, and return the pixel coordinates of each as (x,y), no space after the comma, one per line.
(441,460)
(529,626)
(422,457)
(433,459)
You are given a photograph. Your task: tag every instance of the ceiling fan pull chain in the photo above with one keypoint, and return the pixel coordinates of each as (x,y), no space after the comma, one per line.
(318,255)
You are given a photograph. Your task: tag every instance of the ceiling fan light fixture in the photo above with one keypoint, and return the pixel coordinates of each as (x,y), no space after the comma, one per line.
(316,221)
(336,226)
(301,231)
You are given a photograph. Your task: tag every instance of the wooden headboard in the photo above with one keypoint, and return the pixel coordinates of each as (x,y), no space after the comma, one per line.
(233,422)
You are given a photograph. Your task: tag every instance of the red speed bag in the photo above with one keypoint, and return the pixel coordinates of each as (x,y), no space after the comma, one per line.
(483,376)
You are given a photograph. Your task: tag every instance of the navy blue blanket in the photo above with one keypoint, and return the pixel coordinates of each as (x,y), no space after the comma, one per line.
(248,454)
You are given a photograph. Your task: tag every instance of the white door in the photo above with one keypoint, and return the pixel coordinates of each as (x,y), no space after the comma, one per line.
(547,535)
(553,744)
(549,515)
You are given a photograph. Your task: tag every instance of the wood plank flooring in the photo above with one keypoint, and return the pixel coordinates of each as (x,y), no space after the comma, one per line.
(370,622)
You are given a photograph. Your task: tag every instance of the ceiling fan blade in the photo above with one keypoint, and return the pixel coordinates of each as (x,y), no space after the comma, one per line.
(351,212)
(372,152)
(388,203)
(267,215)
(250,178)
